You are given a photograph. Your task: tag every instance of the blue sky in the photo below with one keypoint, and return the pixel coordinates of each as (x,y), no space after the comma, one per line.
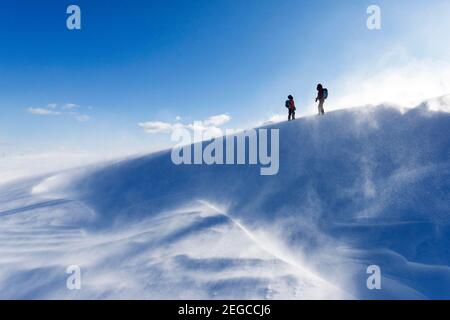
(137,61)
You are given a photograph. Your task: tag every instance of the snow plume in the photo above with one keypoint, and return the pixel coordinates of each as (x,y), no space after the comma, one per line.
(19,166)
(439,104)
(405,84)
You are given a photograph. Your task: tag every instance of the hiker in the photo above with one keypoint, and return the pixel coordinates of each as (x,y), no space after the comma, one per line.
(290,104)
(322,94)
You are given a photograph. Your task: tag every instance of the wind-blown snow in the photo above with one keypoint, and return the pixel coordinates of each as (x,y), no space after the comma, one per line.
(355,188)
(19,166)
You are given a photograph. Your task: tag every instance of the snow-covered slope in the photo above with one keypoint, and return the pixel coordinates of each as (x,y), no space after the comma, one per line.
(355,188)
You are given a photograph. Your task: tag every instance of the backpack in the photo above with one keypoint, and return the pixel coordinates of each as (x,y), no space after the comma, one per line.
(325,93)
(287,104)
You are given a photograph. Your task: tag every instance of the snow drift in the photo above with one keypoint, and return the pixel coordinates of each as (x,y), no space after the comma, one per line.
(358,187)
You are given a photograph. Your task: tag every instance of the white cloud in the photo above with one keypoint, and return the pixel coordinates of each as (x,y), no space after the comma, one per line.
(210,125)
(82,117)
(207,131)
(217,120)
(70,106)
(42,111)
(52,109)
(156,126)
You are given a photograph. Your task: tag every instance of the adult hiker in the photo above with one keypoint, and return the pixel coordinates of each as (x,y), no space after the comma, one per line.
(322,94)
(290,104)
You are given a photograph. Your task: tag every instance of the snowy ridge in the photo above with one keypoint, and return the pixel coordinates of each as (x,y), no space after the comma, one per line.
(357,187)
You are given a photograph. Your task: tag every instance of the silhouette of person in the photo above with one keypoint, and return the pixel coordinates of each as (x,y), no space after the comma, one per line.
(290,104)
(320,98)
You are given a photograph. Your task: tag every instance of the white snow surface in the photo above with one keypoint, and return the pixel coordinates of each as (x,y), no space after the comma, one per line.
(357,187)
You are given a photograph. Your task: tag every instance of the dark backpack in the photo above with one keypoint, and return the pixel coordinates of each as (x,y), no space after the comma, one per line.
(287,104)
(325,93)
